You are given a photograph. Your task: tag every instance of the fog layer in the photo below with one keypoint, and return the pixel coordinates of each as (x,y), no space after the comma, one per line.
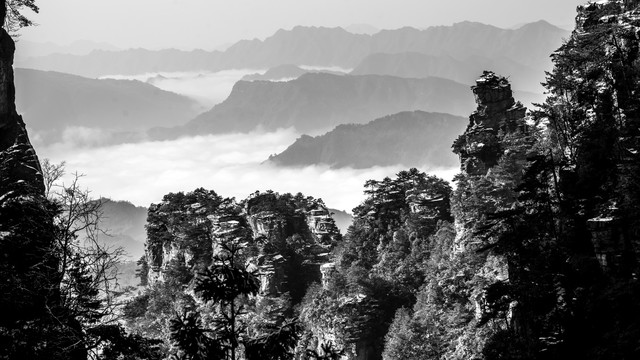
(229,164)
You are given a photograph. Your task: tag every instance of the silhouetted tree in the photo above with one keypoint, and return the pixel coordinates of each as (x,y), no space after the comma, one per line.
(225,283)
(12,14)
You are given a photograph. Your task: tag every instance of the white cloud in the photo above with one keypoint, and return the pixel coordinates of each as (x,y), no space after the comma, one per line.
(228,164)
(81,136)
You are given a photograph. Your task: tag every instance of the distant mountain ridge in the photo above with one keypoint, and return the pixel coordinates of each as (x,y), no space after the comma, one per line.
(55,101)
(320,46)
(285,72)
(319,102)
(413,139)
(420,65)
(366,29)
(124,224)
(28,49)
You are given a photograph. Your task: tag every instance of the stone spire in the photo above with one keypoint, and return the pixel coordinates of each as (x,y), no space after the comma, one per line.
(497,114)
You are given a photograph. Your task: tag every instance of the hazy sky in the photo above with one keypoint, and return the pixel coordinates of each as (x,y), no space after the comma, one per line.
(206,24)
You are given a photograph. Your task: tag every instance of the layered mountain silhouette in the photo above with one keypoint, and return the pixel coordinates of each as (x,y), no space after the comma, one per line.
(362,29)
(28,49)
(413,139)
(318,102)
(124,224)
(342,219)
(285,72)
(56,102)
(420,65)
(528,45)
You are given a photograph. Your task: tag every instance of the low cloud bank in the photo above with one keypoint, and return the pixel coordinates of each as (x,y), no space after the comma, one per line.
(230,164)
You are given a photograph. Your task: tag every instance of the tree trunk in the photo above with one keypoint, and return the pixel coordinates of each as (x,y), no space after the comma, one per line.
(3,11)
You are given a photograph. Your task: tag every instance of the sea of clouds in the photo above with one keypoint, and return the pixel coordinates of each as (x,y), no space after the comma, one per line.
(230,164)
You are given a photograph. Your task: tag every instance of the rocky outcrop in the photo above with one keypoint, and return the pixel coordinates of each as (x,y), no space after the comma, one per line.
(287,239)
(321,223)
(17,156)
(295,236)
(181,231)
(494,127)
(497,114)
(613,226)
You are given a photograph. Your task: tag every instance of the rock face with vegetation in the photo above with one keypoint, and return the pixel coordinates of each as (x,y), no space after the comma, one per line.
(410,275)
(538,257)
(27,241)
(380,266)
(281,240)
(498,115)
(534,255)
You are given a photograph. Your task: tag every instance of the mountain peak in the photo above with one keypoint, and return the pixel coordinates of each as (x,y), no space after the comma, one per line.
(362,29)
(540,24)
(387,141)
(471,24)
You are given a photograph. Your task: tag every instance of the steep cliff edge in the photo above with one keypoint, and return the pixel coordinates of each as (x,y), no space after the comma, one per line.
(284,241)
(417,275)
(34,324)
(492,154)
(19,159)
(497,116)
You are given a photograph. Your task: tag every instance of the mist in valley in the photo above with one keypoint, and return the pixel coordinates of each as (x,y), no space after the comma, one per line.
(232,165)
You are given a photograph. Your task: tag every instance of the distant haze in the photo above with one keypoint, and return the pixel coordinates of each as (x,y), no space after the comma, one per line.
(208,24)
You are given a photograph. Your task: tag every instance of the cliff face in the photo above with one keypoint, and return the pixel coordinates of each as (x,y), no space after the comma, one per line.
(21,191)
(612,224)
(489,146)
(498,114)
(33,322)
(286,238)
(18,157)
(378,268)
